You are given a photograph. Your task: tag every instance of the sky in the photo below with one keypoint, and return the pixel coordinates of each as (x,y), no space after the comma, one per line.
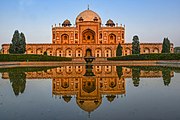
(151,20)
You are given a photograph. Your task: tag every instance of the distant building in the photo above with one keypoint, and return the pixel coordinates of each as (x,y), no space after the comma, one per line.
(87,33)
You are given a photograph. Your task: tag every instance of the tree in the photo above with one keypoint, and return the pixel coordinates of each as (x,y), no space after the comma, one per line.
(18,45)
(22,46)
(135,45)
(14,46)
(166,46)
(119,50)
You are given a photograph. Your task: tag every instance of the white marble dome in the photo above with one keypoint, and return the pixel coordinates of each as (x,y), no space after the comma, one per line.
(88,15)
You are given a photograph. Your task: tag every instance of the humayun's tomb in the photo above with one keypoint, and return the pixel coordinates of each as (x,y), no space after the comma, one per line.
(87,33)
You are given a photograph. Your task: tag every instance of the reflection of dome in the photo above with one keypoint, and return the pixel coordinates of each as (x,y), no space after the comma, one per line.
(89,105)
(66,23)
(110,98)
(88,15)
(67,98)
(110,23)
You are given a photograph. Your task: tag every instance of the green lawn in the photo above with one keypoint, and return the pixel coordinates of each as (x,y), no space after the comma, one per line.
(30,57)
(159,56)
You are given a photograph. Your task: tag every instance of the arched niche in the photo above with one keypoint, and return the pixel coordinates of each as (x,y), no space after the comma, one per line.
(88,36)
(108,52)
(88,52)
(68,52)
(146,50)
(79,52)
(39,51)
(112,39)
(98,52)
(156,50)
(59,52)
(64,39)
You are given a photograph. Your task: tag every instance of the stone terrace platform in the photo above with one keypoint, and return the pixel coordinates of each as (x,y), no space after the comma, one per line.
(79,62)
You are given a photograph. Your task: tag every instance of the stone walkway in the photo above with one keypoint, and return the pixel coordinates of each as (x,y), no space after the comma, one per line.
(96,62)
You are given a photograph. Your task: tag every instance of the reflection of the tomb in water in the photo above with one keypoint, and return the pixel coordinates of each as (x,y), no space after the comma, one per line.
(87,83)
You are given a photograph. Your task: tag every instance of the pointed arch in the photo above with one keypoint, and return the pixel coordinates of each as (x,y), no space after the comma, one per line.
(64,39)
(98,52)
(146,50)
(108,52)
(68,52)
(59,52)
(79,52)
(127,51)
(29,51)
(88,36)
(155,50)
(112,38)
(49,51)
(39,51)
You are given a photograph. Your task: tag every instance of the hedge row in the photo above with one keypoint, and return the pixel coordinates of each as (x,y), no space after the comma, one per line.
(160,56)
(30,57)
(25,69)
(154,68)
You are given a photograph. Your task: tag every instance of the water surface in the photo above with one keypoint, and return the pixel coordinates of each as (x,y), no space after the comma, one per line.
(90,93)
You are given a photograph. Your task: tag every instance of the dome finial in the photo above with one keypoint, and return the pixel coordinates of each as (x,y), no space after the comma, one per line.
(88,6)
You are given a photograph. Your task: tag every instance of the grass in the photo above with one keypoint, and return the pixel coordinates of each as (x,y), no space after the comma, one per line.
(30,57)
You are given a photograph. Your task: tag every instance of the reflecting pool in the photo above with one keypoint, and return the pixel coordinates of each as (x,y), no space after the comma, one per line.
(90,92)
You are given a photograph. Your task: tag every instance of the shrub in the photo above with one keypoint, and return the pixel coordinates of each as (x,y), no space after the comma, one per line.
(30,57)
(164,56)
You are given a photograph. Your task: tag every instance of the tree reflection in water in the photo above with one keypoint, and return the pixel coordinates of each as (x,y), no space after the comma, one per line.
(18,81)
(89,84)
(119,71)
(166,74)
(17,76)
(136,76)
(137,72)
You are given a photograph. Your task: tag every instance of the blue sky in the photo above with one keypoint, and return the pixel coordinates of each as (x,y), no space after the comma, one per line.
(151,20)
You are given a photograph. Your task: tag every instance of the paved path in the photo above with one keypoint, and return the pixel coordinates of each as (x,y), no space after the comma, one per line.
(96,62)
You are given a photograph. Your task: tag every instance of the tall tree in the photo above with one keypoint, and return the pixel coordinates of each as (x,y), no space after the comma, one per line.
(119,50)
(18,45)
(135,45)
(22,44)
(15,39)
(166,46)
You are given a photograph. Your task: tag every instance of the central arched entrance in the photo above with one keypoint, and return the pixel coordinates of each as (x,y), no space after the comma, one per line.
(88,56)
(88,36)
(88,52)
